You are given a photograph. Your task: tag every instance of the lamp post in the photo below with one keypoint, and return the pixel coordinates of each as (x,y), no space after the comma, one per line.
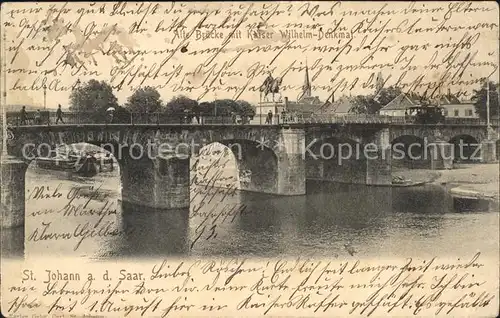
(44,97)
(4,127)
(488,124)
(215,107)
(4,95)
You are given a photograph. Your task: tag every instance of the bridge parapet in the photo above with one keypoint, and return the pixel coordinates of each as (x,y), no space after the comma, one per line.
(73,118)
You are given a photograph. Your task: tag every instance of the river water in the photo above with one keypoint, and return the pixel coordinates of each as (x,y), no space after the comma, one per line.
(332,220)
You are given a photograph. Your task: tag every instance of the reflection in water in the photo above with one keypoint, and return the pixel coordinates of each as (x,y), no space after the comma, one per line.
(428,199)
(151,232)
(467,205)
(378,221)
(12,242)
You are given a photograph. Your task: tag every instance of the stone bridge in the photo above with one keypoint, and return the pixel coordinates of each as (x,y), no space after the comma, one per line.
(434,147)
(155,167)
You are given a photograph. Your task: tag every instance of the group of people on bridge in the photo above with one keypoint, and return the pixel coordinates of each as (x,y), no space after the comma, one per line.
(285,117)
(37,118)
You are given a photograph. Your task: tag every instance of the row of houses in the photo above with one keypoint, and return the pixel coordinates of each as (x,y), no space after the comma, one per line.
(400,106)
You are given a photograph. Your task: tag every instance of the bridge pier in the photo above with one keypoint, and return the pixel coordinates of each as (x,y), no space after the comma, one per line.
(378,162)
(488,151)
(291,163)
(12,192)
(315,169)
(441,155)
(159,183)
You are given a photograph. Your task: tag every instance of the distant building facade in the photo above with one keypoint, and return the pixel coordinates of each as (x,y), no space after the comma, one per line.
(463,109)
(451,105)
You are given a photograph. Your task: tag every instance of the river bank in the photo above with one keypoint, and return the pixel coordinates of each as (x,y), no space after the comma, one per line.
(464,180)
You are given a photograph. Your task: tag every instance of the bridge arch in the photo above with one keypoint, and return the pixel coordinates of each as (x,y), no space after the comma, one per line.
(336,158)
(410,151)
(256,165)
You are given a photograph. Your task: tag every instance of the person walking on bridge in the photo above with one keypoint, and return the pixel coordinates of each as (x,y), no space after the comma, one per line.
(269,119)
(59,114)
(22,116)
(38,117)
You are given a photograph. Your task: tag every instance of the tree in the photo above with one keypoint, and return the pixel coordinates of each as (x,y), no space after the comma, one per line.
(180,104)
(225,107)
(206,108)
(365,105)
(144,100)
(387,94)
(92,97)
(479,99)
(245,109)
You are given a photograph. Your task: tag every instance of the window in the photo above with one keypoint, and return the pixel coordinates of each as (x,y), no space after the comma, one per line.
(446,112)
(468,112)
(456,112)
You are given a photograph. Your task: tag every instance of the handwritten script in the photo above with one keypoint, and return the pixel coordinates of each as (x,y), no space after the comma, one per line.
(229,48)
(297,287)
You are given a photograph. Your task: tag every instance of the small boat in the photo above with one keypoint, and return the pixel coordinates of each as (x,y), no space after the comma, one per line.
(58,162)
(399,181)
(77,162)
(408,184)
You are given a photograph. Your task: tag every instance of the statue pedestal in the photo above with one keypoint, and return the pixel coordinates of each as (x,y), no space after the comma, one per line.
(264,108)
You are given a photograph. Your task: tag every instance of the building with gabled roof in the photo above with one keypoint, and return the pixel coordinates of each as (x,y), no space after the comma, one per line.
(400,105)
(342,106)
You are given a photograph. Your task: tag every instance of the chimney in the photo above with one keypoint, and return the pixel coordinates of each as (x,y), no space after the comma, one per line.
(333,97)
(286,103)
(449,94)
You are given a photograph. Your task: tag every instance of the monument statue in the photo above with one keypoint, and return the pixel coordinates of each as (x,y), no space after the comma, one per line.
(270,86)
